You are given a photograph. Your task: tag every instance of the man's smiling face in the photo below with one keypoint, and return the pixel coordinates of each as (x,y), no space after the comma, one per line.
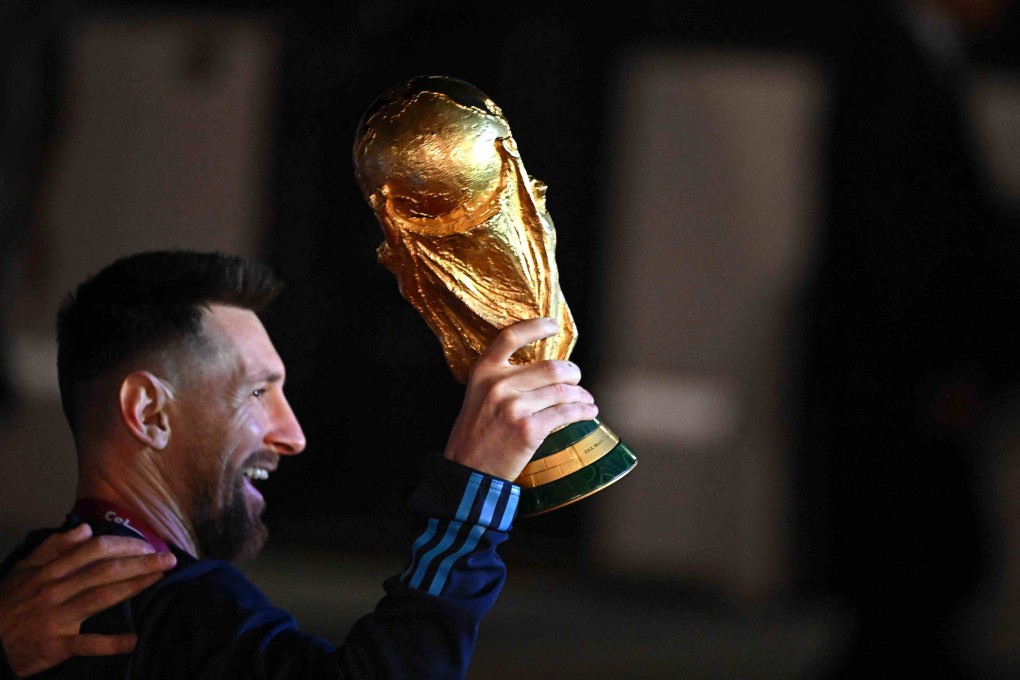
(232,424)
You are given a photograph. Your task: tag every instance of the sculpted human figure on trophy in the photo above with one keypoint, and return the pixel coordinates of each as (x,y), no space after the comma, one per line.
(467,232)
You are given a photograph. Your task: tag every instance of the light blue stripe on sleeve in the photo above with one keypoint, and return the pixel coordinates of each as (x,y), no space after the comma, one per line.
(425,537)
(510,509)
(488,507)
(444,569)
(448,538)
(466,501)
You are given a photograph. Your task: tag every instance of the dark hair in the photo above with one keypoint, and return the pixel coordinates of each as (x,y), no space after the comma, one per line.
(145,302)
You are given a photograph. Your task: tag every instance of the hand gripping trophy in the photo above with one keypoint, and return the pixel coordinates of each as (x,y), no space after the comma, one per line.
(468,237)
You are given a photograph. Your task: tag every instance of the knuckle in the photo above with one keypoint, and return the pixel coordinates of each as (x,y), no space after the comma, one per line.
(81,645)
(105,543)
(511,334)
(50,629)
(522,425)
(86,646)
(94,600)
(556,371)
(531,432)
(54,541)
(112,546)
(48,572)
(495,388)
(116,568)
(51,596)
(514,413)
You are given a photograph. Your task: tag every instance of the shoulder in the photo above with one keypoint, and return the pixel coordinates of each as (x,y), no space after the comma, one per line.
(32,540)
(203,585)
(207,619)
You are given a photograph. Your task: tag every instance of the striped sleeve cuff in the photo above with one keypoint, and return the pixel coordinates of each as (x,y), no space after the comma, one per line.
(468,512)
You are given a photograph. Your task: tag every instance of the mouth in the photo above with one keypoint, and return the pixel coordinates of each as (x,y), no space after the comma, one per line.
(255,473)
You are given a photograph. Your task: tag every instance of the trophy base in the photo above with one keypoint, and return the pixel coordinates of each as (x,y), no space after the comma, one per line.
(572,463)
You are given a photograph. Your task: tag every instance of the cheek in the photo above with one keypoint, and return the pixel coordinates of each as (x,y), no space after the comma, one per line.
(245,436)
(252,430)
(246,425)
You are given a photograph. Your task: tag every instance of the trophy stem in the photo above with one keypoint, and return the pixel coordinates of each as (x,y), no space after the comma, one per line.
(572,463)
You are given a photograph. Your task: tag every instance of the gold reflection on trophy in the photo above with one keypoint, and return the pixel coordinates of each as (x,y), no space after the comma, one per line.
(466,229)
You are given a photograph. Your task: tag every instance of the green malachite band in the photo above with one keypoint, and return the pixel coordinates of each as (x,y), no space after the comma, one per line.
(608,468)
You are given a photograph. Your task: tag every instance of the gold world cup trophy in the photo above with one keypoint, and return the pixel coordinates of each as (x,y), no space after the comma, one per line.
(472,246)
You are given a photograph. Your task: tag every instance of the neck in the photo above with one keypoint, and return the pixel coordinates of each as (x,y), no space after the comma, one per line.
(95,510)
(145,497)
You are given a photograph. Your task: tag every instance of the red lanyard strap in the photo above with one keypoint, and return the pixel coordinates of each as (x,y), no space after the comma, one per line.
(96,510)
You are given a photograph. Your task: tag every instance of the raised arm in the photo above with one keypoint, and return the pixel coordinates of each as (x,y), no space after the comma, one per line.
(427,622)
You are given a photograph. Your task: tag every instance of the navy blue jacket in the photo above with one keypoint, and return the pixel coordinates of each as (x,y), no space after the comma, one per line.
(205,619)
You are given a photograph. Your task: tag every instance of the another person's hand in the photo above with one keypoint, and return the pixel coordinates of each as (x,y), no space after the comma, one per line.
(68,578)
(510,409)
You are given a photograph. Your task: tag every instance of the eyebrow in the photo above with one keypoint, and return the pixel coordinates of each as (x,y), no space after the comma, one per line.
(271,377)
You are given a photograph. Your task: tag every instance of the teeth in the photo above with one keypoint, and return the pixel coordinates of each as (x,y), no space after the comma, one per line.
(256,473)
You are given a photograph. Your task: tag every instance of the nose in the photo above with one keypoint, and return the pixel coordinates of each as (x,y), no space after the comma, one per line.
(285,437)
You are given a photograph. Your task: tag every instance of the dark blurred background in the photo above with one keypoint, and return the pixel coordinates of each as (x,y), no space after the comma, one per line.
(787,233)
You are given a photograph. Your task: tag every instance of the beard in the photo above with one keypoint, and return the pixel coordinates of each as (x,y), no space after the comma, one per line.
(229,530)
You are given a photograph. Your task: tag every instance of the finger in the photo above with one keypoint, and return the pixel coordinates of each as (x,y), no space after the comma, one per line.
(541,374)
(560,414)
(55,545)
(95,600)
(116,570)
(549,407)
(106,582)
(514,337)
(554,395)
(96,548)
(91,644)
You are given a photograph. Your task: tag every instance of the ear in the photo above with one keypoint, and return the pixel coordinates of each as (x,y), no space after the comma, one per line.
(144,399)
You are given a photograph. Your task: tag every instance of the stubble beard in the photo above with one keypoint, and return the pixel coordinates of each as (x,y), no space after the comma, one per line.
(229,531)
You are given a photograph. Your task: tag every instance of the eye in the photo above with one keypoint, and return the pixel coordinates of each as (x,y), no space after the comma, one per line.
(258,392)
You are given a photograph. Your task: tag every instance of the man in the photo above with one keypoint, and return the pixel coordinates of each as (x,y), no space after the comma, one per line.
(174,395)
